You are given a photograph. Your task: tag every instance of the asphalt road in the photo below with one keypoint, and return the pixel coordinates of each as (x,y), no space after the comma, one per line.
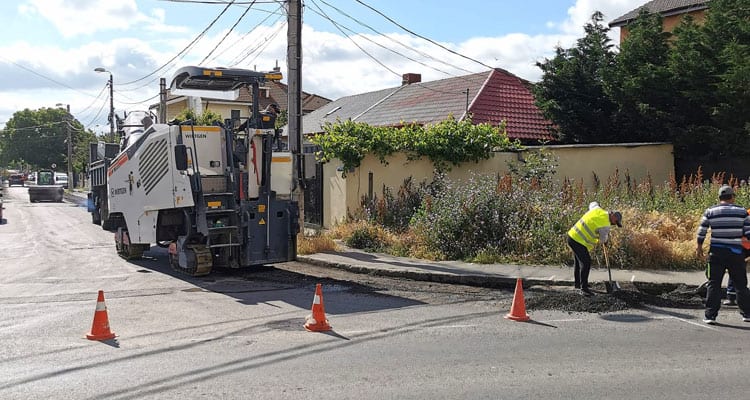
(240,335)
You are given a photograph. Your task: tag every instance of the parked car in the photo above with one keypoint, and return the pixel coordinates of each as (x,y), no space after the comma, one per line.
(61,179)
(16,179)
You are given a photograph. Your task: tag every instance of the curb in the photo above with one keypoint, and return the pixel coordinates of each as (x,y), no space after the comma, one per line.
(486,281)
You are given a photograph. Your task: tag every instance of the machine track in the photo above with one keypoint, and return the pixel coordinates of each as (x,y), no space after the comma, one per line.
(199,260)
(131,251)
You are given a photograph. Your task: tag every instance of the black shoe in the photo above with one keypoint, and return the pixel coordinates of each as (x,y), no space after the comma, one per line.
(729,302)
(586,292)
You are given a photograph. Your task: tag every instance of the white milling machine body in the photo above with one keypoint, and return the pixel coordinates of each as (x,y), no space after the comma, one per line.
(216,196)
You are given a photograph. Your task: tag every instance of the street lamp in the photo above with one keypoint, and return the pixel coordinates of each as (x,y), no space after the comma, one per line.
(111,105)
(70,144)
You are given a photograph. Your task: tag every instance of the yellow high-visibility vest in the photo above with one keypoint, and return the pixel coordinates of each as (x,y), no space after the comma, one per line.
(585,230)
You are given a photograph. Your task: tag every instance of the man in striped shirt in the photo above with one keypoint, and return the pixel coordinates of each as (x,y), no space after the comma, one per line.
(728,223)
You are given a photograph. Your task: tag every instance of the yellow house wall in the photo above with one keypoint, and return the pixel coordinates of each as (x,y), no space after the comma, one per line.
(669,23)
(225,110)
(576,162)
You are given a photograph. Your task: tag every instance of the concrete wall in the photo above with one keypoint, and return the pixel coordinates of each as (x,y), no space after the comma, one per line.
(577,162)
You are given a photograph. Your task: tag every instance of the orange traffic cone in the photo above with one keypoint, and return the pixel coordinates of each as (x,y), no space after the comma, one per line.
(317,322)
(518,308)
(100,327)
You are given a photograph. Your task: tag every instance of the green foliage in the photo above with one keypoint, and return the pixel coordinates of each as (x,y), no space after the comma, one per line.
(691,88)
(463,218)
(366,237)
(39,138)
(391,211)
(640,83)
(282,119)
(208,117)
(536,166)
(446,144)
(572,91)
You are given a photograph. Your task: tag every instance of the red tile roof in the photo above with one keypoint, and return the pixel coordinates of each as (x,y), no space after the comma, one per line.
(505,97)
(493,96)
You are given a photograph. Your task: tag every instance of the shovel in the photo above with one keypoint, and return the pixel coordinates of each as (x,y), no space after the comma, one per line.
(611,286)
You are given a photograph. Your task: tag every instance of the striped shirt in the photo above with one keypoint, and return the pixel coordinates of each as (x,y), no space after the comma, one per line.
(728,223)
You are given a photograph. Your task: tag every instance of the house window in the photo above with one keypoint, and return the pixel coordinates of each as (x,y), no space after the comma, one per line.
(235,115)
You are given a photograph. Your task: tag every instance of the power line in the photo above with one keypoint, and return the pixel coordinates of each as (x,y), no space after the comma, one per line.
(325,16)
(45,77)
(388,48)
(422,37)
(421,53)
(275,12)
(259,47)
(186,48)
(227,34)
(335,24)
(139,102)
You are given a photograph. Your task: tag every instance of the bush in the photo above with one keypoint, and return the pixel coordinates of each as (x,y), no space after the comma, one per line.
(523,217)
(367,237)
(461,218)
(394,212)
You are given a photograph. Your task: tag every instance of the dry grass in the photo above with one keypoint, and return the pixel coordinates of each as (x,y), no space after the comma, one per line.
(316,244)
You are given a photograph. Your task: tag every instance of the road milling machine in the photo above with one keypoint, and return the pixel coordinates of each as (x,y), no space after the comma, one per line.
(215,196)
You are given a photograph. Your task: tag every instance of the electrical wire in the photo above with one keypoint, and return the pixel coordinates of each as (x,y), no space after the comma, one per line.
(259,48)
(420,36)
(388,48)
(95,100)
(336,25)
(241,38)
(186,48)
(138,102)
(45,77)
(227,34)
(421,53)
(422,86)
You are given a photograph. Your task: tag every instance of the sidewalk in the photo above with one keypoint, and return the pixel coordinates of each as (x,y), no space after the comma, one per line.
(457,272)
(490,275)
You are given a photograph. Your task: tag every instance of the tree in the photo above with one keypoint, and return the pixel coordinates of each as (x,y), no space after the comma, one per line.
(572,93)
(727,32)
(38,138)
(640,82)
(692,65)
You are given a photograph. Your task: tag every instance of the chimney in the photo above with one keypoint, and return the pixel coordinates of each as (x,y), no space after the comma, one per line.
(408,79)
(277,68)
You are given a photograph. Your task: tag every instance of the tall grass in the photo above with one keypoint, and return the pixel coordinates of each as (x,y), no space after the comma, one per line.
(521,218)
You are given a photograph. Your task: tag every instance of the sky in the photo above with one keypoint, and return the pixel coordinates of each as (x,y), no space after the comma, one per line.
(50,48)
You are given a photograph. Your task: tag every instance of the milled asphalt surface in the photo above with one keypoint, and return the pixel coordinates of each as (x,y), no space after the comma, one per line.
(486,275)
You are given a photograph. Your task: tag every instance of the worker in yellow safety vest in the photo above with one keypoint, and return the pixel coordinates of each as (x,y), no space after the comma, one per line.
(592,228)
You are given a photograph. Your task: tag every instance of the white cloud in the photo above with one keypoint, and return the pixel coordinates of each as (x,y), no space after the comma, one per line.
(86,17)
(333,66)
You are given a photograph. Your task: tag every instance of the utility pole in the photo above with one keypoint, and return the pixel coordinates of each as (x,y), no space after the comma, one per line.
(111,104)
(111,111)
(294,109)
(162,101)
(68,120)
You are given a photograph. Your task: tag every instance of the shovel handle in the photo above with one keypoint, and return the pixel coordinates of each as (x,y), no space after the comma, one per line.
(606,261)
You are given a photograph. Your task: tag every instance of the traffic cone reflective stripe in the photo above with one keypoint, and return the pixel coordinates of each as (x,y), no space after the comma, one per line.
(317,322)
(100,327)
(518,308)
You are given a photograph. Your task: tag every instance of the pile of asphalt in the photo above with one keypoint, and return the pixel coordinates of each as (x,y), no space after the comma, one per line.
(627,297)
